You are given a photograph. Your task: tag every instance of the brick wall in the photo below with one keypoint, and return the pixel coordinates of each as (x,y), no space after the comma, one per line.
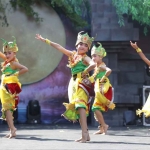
(128,74)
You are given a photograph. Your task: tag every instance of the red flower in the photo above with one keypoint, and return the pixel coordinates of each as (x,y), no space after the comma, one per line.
(85,38)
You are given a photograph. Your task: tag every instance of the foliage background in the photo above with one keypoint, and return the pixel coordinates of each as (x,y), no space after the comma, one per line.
(77,11)
(138,10)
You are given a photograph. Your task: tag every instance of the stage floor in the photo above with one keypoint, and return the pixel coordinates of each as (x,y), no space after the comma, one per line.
(61,137)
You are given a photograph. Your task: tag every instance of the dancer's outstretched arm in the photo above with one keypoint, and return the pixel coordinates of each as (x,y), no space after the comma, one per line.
(141,54)
(55,45)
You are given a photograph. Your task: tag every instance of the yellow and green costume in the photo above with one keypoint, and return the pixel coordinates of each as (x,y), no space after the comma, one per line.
(103,90)
(78,92)
(103,93)
(79,88)
(10,86)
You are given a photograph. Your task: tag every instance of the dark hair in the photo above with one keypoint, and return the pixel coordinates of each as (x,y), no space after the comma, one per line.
(96,44)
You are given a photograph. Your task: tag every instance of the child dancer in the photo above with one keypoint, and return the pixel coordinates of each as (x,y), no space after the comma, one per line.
(103,88)
(146,107)
(10,85)
(80,65)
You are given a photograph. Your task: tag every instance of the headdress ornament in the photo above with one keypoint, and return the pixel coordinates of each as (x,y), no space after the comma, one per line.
(99,50)
(84,38)
(9,46)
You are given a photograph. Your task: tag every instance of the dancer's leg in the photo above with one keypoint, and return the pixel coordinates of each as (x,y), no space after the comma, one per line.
(78,140)
(101,120)
(83,124)
(7,135)
(9,119)
(100,131)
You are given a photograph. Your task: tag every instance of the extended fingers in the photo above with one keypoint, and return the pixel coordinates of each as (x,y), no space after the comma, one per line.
(38,36)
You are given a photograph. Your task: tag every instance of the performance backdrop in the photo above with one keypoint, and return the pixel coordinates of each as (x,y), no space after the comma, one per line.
(48,75)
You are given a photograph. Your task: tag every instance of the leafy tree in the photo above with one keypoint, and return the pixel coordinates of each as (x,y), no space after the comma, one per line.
(139,10)
(2,14)
(76,10)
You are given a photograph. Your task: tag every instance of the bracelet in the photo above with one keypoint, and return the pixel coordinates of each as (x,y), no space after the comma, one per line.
(48,41)
(85,71)
(105,76)
(138,50)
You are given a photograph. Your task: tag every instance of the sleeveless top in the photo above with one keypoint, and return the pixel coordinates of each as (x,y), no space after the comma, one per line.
(100,75)
(76,63)
(79,67)
(7,70)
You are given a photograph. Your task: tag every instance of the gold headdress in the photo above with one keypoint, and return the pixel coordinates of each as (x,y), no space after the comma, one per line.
(84,38)
(9,46)
(99,50)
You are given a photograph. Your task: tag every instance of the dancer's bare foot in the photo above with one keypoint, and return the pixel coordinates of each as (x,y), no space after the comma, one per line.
(12,133)
(105,128)
(78,140)
(85,137)
(82,139)
(100,131)
(7,136)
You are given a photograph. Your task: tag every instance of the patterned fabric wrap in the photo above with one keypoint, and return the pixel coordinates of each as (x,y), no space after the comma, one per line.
(103,96)
(79,89)
(9,90)
(79,93)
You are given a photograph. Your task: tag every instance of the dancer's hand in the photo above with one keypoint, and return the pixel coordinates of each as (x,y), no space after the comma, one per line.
(84,74)
(39,37)
(102,79)
(134,45)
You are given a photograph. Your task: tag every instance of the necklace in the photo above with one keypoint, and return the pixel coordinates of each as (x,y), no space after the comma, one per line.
(97,69)
(74,59)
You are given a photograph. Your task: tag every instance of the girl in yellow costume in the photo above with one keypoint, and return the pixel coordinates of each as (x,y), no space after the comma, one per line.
(80,65)
(103,88)
(146,107)
(10,85)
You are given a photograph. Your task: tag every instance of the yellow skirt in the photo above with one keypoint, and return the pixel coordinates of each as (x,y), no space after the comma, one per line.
(103,96)
(8,99)
(78,98)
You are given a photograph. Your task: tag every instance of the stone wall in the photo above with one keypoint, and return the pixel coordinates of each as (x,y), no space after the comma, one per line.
(128,74)
(105,23)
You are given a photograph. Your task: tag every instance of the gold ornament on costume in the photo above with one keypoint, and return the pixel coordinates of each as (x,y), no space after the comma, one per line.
(98,69)
(9,46)
(74,59)
(98,50)
(84,38)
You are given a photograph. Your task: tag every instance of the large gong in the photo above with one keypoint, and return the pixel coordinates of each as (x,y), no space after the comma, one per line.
(40,58)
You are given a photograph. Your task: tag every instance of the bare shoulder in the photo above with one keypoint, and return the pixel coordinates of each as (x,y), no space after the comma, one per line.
(14,63)
(102,66)
(17,65)
(87,58)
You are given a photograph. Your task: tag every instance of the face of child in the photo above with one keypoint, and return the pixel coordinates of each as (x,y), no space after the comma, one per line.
(9,55)
(96,58)
(82,48)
